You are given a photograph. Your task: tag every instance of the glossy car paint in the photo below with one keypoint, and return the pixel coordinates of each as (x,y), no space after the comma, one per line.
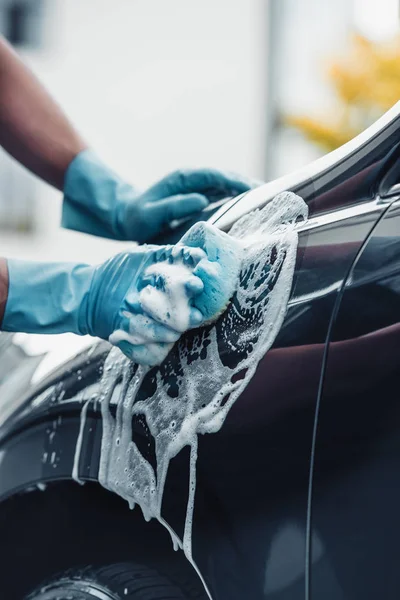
(297,493)
(356,485)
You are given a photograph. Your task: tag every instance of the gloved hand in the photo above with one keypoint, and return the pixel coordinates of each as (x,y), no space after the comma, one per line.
(104,300)
(98,201)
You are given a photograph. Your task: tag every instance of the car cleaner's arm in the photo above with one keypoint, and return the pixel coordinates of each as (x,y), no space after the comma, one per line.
(108,300)
(33,128)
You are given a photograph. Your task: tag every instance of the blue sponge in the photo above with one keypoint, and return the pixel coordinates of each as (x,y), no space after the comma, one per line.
(220,278)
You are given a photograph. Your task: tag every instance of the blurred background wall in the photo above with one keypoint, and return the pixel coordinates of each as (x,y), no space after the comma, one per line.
(156,85)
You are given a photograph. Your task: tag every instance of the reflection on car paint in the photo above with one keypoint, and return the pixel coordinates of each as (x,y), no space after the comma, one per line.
(357,448)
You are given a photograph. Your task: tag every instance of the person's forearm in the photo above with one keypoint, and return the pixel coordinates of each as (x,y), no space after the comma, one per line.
(33,128)
(3,287)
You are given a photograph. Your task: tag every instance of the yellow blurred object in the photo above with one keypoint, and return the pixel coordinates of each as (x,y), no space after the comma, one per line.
(367,84)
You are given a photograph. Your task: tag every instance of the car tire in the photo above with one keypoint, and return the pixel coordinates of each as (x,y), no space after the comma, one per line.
(123,581)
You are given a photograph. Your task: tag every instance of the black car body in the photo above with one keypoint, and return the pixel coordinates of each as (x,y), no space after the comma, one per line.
(298,494)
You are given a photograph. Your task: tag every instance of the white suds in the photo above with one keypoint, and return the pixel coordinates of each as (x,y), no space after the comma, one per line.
(169,305)
(192,392)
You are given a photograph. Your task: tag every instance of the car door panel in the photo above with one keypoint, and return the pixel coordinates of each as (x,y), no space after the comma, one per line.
(356,487)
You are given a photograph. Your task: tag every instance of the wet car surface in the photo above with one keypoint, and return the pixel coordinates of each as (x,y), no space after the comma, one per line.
(296,495)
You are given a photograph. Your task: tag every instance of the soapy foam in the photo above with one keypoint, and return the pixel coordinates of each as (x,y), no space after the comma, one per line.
(169,305)
(192,392)
(165,300)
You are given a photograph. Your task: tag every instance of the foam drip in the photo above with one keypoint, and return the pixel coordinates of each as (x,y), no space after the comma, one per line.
(192,392)
(78,448)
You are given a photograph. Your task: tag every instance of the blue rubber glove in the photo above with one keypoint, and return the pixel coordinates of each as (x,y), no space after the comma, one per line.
(102,300)
(98,201)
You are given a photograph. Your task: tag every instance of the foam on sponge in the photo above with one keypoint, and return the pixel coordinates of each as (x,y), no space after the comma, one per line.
(220,273)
